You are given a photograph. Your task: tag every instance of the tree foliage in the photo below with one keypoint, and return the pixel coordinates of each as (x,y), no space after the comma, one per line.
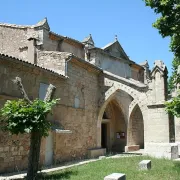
(168,24)
(173,106)
(175,77)
(19,116)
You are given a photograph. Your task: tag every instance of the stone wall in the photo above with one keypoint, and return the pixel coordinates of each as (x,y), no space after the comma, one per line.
(80,118)
(110,64)
(157,127)
(50,44)
(13,41)
(77,51)
(76,111)
(135,74)
(14,149)
(13,152)
(55,61)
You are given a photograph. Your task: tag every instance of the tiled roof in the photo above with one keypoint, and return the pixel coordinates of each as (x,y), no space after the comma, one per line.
(5,56)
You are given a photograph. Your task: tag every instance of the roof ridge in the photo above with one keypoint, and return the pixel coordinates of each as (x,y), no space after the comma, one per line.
(40,23)
(15,25)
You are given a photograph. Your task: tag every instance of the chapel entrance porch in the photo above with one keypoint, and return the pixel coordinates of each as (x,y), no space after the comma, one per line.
(113,128)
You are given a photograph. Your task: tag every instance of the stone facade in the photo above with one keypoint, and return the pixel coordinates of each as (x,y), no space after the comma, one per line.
(107,100)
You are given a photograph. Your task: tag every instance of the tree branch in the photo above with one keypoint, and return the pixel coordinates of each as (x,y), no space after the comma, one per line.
(18,82)
(49,93)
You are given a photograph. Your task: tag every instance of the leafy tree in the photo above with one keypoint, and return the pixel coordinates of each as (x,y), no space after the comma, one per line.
(173,106)
(168,24)
(25,116)
(22,117)
(175,77)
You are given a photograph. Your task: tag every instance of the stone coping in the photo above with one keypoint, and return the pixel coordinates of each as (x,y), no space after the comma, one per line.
(60,131)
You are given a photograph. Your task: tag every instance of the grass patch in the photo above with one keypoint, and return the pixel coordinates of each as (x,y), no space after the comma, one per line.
(162,169)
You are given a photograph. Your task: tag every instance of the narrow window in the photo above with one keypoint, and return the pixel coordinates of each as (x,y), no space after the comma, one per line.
(42,90)
(76,102)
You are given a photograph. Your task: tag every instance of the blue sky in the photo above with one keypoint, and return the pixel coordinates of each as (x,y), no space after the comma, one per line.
(130,20)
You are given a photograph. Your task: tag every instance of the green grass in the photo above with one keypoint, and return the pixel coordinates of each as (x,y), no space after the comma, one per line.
(161,170)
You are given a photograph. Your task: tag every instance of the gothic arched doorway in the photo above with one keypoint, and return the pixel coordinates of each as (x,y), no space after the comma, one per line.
(113,128)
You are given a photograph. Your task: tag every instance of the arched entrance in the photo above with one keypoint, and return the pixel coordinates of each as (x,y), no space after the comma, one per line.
(113,128)
(135,129)
(138,97)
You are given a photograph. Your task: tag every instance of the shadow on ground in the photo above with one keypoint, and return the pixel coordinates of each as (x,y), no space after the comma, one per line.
(54,176)
(59,175)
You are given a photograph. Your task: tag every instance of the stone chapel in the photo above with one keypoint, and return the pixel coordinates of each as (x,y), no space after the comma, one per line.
(109,103)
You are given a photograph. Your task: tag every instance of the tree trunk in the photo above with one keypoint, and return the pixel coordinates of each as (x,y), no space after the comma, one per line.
(34,153)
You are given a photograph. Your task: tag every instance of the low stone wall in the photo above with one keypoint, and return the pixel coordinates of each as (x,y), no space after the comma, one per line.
(162,150)
(93,153)
(13,152)
(132,148)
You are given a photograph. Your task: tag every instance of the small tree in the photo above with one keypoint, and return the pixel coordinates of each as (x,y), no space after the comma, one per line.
(26,116)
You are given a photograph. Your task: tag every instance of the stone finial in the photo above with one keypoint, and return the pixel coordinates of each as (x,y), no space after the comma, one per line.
(145,64)
(88,40)
(43,23)
(160,64)
(116,38)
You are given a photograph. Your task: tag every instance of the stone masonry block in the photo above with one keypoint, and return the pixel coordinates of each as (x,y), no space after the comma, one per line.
(115,176)
(145,165)
(162,150)
(102,157)
(174,151)
(132,148)
(94,153)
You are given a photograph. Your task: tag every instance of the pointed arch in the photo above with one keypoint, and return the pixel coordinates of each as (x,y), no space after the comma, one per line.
(112,124)
(139,98)
(135,135)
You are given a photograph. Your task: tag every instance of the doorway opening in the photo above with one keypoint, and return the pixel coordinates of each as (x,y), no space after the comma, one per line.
(113,128)
(104,135)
